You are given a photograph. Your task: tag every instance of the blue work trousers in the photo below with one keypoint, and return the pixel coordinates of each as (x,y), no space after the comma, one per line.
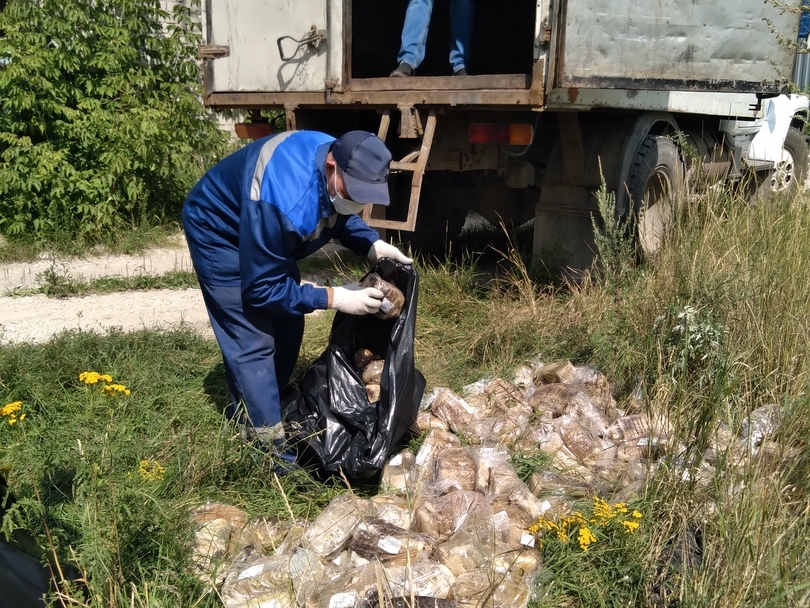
(415,32)
(259,352)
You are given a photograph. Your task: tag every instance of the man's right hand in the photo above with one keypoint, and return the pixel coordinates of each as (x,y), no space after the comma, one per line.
(355,299)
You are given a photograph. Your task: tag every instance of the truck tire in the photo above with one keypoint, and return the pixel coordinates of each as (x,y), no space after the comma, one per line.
(787,177)
(654,185)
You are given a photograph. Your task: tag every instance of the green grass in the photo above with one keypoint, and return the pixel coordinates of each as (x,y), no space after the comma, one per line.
(119,242)
(716,327)
(57,285)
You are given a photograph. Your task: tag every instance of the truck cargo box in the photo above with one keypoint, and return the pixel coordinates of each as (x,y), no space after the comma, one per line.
(276,52)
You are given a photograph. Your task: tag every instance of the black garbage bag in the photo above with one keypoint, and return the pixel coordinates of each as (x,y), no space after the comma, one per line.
(328,412)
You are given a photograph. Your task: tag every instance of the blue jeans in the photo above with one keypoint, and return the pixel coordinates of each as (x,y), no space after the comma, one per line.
(259,352)
(415,32)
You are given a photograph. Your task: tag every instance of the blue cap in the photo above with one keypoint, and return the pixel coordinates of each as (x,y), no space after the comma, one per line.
(364,160)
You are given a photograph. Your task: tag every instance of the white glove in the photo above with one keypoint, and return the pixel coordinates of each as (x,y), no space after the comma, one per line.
(356,300)
(381,249)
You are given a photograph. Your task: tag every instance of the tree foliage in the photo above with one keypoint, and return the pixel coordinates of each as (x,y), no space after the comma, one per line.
(101,126)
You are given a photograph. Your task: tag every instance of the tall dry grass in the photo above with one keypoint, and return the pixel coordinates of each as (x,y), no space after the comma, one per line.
(715,326)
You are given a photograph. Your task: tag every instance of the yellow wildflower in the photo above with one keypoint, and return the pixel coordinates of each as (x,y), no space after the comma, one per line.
(12,421)
(630,526)
(573,519)
(621,507)
(150,470)
(22,417)
(636,514)
(602,511)
(11,408)
(115,389)
(585,537)
(543,525)
(90,377)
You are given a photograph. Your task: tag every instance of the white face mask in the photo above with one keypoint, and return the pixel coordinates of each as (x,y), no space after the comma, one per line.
(344,206)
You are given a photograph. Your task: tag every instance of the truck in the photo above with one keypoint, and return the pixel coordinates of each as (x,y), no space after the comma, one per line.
(648,97)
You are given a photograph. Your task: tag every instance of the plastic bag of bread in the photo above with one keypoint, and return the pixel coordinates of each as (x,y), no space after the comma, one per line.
(394,300)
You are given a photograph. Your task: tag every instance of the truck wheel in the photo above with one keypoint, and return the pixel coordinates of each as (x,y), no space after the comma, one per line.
(788,176)
(654,185)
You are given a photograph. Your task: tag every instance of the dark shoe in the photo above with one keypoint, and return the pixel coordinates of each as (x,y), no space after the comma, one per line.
(285,457)
(460,72)
(404,69)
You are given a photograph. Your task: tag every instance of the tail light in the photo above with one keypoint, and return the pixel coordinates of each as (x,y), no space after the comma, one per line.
(510,134)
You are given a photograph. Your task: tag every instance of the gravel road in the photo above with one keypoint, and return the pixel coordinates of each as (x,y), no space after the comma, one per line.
(36,318)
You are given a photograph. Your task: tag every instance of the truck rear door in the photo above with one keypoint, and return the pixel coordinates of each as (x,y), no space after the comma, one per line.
(702,45)
(271,45)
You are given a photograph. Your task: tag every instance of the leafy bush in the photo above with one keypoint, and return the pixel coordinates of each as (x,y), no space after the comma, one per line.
(101,127)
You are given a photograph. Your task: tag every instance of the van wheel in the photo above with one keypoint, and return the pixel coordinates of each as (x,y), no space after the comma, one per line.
(787,177)
(654,185)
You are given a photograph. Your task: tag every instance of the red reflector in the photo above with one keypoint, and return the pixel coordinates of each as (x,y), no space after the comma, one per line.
(253,130)
(509,134)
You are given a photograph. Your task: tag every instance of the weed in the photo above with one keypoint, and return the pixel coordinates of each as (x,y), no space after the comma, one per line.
(526,464)
(613,236)
(596,547)
(692,343)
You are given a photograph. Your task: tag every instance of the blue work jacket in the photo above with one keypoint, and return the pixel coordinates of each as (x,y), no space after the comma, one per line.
(259,210)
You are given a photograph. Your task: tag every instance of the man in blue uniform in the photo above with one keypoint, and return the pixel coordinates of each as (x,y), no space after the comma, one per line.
(248,220)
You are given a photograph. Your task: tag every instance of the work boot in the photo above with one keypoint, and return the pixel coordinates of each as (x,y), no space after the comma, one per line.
(403,70)
(285,457)
(271,440)
(460,72)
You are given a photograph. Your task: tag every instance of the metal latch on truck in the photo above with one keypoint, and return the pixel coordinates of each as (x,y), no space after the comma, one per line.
(311,39)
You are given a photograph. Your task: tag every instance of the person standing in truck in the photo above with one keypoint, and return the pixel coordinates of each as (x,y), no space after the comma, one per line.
(247,222)
(415,32)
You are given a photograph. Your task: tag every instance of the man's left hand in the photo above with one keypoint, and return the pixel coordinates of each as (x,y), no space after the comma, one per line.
(381,249)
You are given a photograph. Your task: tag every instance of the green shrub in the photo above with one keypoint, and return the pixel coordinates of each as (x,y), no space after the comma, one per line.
(101,127)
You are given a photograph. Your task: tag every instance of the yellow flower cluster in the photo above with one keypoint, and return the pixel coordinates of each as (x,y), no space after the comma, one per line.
(10,412)
(585,537)
(150,470)
(108,388)
(602,514)
(564,527)
(94,377)
(114,389)
(630,525)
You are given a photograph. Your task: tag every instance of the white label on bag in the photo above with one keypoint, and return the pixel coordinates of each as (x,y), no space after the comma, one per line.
(390,545)
(396,460)
(251,572)
(501,519)
(424,454)
(527,540)
(470,409)
(343,600)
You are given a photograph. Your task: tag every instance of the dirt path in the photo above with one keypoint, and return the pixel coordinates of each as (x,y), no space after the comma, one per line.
(36,318)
